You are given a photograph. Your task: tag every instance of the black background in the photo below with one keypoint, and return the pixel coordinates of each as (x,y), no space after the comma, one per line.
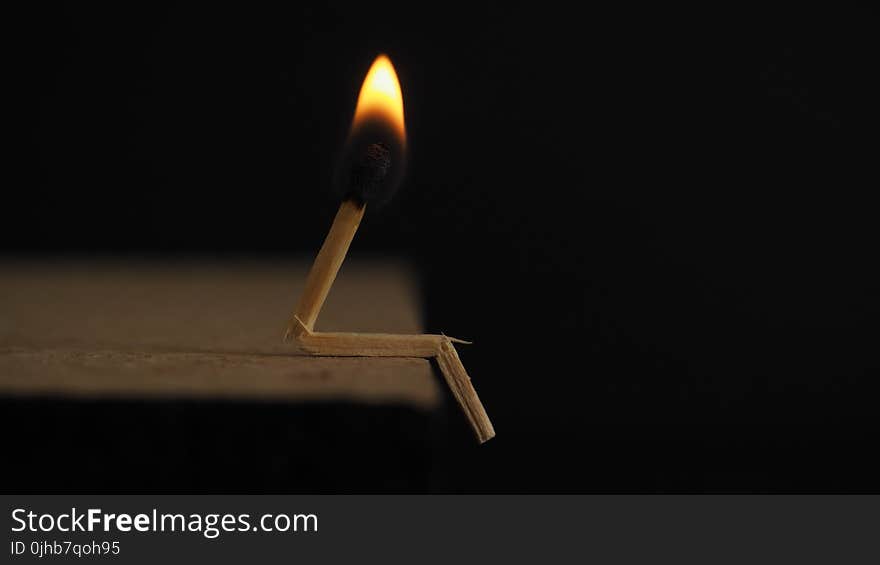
(658,227)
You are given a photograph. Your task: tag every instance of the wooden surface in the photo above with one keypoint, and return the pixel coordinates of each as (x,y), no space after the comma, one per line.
(199,329)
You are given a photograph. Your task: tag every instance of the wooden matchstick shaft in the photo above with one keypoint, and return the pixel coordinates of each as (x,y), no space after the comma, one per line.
(342,344)
(441,347)
(327,264)
(393,345)
(460,384)
(370,345)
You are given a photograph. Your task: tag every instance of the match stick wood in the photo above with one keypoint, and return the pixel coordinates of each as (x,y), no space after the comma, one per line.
(370,345)
(441,347)
(347,344)
(327,264)
(460,384)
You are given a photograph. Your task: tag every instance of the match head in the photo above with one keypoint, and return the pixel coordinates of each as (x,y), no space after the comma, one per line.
(372,164)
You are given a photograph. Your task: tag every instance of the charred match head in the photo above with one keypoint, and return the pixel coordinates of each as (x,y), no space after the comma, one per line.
(372,163)
(371,166)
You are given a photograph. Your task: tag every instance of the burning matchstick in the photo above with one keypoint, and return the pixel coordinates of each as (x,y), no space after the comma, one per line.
(371,170)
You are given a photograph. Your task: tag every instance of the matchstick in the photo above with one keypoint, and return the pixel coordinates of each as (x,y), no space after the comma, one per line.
(460,384)
(349,344)
(370,345)
(441,347)
(326,265)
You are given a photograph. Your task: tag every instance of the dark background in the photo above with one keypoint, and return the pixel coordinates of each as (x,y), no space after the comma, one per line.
(658,227)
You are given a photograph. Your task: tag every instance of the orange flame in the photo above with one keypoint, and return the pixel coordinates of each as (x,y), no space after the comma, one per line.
(380,97)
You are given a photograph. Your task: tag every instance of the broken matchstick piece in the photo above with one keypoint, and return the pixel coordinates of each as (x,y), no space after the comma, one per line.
(460,384)
(429,346)
(349,344)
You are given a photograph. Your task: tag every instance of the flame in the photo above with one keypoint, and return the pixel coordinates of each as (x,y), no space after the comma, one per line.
(380,97)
